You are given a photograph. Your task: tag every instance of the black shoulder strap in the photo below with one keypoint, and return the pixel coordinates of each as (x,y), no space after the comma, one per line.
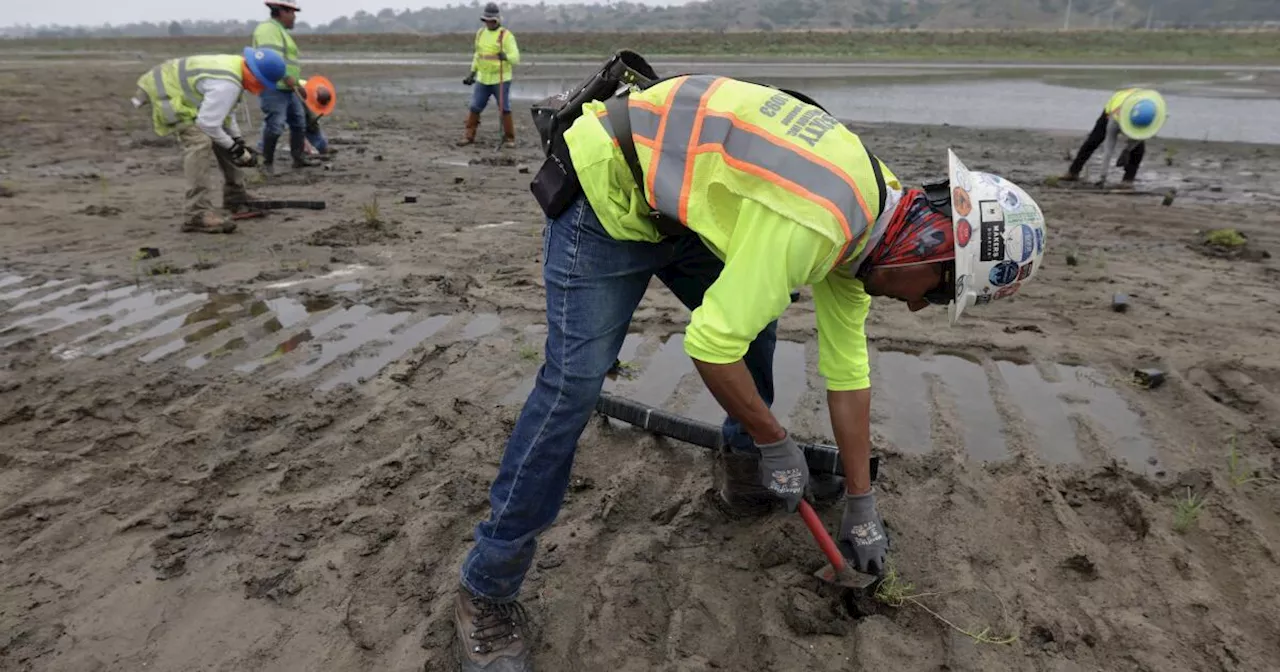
(880,185)
(620,120)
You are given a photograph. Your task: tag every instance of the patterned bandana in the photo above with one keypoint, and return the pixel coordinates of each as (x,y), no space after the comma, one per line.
(916,234)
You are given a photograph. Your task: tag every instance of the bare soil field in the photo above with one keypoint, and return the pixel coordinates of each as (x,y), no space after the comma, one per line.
(267,451)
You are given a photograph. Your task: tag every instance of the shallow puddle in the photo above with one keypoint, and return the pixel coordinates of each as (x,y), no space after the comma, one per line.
(914,397)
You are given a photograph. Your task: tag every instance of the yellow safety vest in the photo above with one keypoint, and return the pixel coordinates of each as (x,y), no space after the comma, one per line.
(171,87)
(1117,99)
(489,69)
(706,143)
(273,35)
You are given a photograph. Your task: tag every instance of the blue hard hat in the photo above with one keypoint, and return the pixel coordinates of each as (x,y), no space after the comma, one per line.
(265,64)
(1143,113)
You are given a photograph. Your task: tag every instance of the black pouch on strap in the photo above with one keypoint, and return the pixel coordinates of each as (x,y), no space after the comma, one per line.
(556,185)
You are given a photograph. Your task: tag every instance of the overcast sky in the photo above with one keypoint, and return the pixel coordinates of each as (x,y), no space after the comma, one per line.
(95,12)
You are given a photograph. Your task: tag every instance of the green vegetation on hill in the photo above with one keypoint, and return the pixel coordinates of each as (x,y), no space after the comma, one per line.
(1164,47)
(740,15)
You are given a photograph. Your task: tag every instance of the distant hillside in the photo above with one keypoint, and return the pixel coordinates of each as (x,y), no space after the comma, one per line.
(746,15)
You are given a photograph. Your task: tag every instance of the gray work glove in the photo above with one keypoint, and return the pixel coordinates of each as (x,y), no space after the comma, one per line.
(502,55)
(470,78)
(784,472)
(862,539)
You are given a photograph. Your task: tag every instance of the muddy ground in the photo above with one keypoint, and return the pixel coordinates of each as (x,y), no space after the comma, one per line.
(170,508)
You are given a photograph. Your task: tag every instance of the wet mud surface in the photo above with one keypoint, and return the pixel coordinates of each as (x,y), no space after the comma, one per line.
(267,451)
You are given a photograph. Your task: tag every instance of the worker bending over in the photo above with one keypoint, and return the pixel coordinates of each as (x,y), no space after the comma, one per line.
(194,98)
(763,193)
(1137,114)
(496,54)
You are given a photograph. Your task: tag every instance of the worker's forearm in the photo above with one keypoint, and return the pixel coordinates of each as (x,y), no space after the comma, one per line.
(733,387)
(851,421)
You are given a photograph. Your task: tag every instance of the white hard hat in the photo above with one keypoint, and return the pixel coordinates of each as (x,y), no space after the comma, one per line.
(287,4)
(999,234)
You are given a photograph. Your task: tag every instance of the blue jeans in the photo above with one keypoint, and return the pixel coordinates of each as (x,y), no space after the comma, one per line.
(281,106)
(480,94)
(594,284)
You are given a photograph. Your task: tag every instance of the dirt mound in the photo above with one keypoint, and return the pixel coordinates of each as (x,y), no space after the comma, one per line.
(354,234)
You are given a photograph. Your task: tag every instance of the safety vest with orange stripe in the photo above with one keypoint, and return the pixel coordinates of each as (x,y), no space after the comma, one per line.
(705,142)
(488,67)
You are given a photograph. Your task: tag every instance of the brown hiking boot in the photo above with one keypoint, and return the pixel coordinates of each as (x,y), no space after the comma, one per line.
(207,222)
(1069,177)
(508,130)
(737,483)
(469,136)
(489,636)
(1126,185)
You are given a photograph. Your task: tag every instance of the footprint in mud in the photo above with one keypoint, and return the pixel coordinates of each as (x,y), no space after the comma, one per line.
(1240,389)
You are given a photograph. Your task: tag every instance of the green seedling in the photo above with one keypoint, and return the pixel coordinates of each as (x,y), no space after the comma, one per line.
(528,352)
(1169,153)
(1187,511)
(1225,238)
(1052,181)
(353,125)
(894,591)
(1237,471)
(372,212)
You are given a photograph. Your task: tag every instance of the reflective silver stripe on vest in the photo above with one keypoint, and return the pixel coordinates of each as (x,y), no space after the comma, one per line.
(644,124)
(673,146)
(748,147)
(185,75)
(162,97)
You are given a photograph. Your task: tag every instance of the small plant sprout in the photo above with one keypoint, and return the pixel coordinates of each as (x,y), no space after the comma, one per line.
(1187,511)
(528,352)
(894,591)
(372,212)
(1237,470)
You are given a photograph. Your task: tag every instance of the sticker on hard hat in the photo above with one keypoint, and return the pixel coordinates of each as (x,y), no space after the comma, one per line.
(1007,291)
(960,201)
(963,232)
(960,284)
(991,235)
(1003,273)
(1009,200)
(962,180)
(1039,241)
(1020,243)
(1024,271)
(982,299)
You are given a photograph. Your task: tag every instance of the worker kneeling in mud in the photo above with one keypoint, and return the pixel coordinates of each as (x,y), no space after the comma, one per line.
(1137,114)
(761,193)
(194,97)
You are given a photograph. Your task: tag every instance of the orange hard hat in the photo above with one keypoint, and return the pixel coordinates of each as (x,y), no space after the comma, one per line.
(321,96)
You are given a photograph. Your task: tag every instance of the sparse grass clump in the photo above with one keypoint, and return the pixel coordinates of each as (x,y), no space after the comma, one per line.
(1225,238)
(895,591)
(372,212)
(1237,471)
(1187,511)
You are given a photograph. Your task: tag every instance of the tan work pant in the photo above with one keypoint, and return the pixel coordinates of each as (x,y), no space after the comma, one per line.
(197,149)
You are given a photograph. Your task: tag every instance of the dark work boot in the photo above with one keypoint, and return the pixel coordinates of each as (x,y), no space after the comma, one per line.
(737,482)
(298,148)
(269,141)
(490,636)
